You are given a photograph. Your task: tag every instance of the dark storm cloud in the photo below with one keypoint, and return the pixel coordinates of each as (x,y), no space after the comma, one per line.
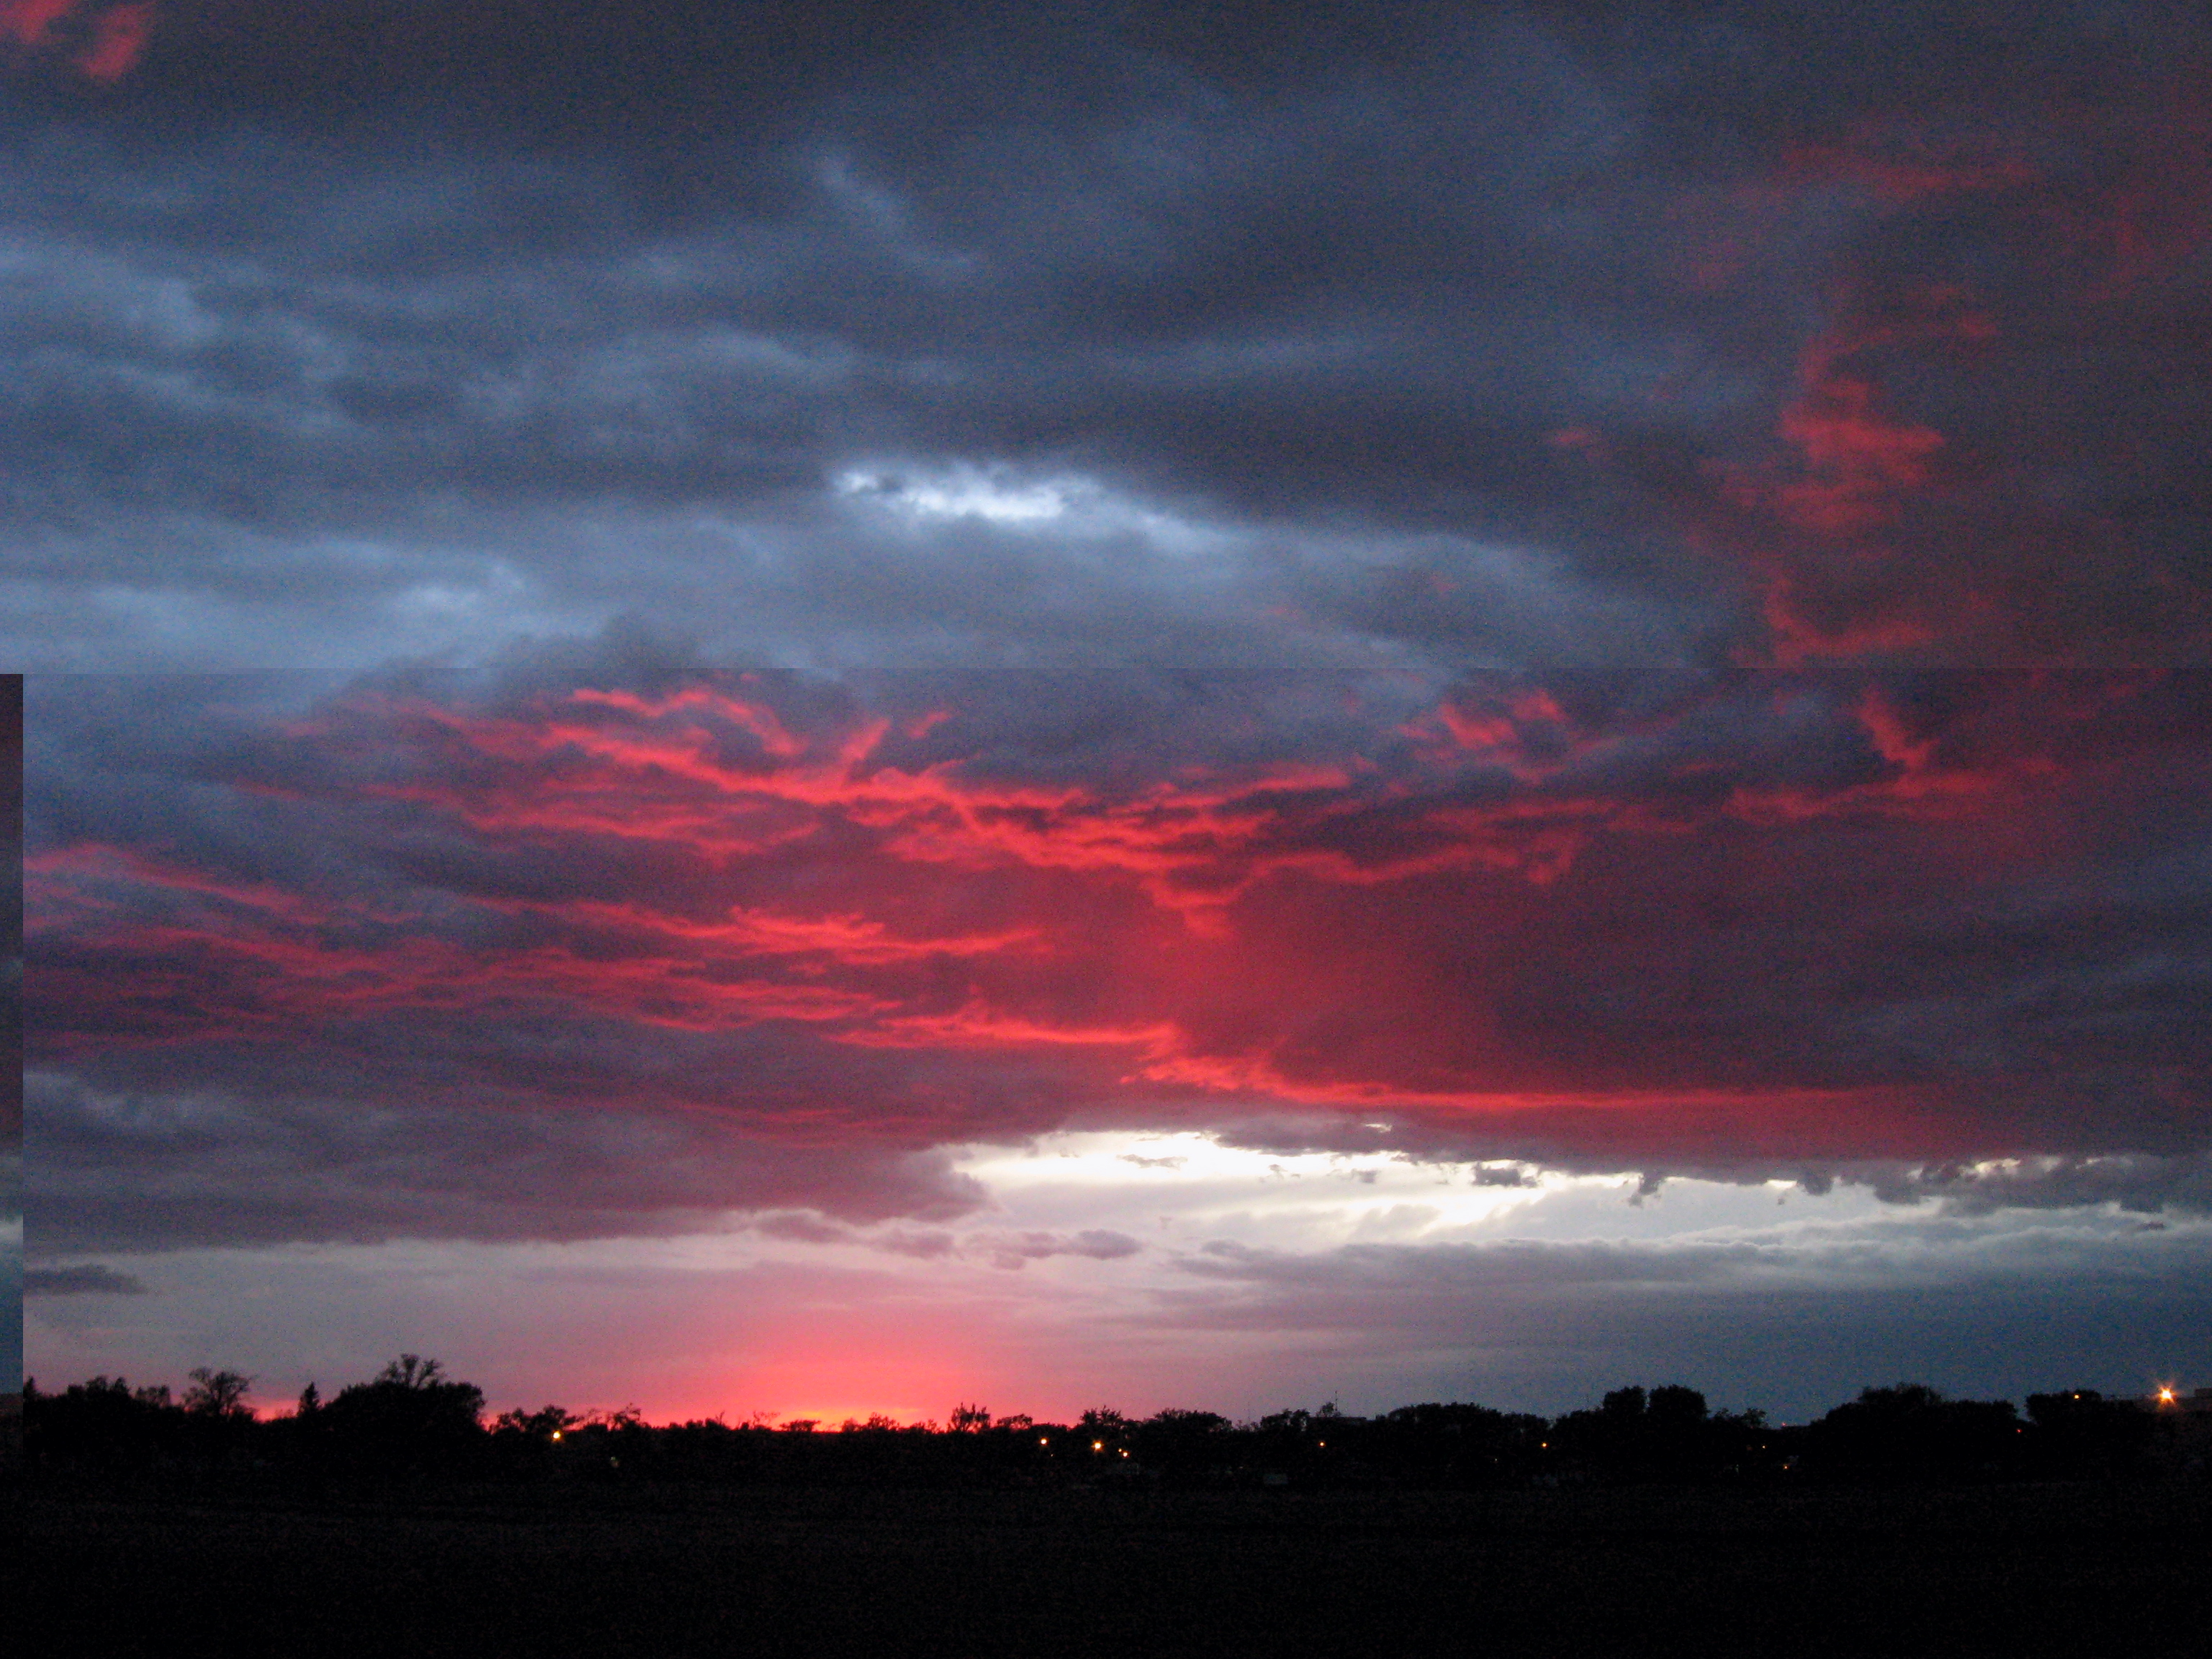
(1623,588)
(160,1170)
(261,375)
(2145,1185)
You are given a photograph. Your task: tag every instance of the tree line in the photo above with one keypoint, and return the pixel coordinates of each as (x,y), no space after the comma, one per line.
(412,1422)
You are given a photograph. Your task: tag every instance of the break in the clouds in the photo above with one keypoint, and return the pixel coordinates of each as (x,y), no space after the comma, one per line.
(646,618)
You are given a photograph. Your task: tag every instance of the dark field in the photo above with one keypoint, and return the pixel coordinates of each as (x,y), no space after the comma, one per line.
(2015,1571)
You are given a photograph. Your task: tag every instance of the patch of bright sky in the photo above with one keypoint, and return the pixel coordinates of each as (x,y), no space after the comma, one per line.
(1070,503)
(1180,1189)
(965,492)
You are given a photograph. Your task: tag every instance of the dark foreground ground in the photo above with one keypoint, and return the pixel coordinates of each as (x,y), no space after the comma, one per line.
(2062,1571)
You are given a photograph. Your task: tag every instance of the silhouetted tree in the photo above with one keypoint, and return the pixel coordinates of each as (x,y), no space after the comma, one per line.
(1183,1447)
(218,1394)
(1669,1434)
(1434,1444)
(524,1444)
(410,1417)
(547,1423)
(412,1371)
(219,1426)
(1912,1432)
(1104,1425)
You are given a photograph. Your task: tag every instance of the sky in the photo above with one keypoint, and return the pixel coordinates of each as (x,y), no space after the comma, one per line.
(802,709)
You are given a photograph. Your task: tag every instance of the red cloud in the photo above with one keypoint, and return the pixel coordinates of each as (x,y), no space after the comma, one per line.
(117,42)
(1857,458)
(1859,461)
(105,44)
(729,900)
(1913,170)
(1825,529)
(30,22)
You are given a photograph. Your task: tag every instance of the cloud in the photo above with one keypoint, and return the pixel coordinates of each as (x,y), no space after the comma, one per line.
(90,1278)
(2144,1185)
(1398,1268)
(1502,1283)
(1009,1250)
(804,1227)
(613,904)
(156,1169)
(1015,1250)
(101,42)
(1615,594)
(386,387)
